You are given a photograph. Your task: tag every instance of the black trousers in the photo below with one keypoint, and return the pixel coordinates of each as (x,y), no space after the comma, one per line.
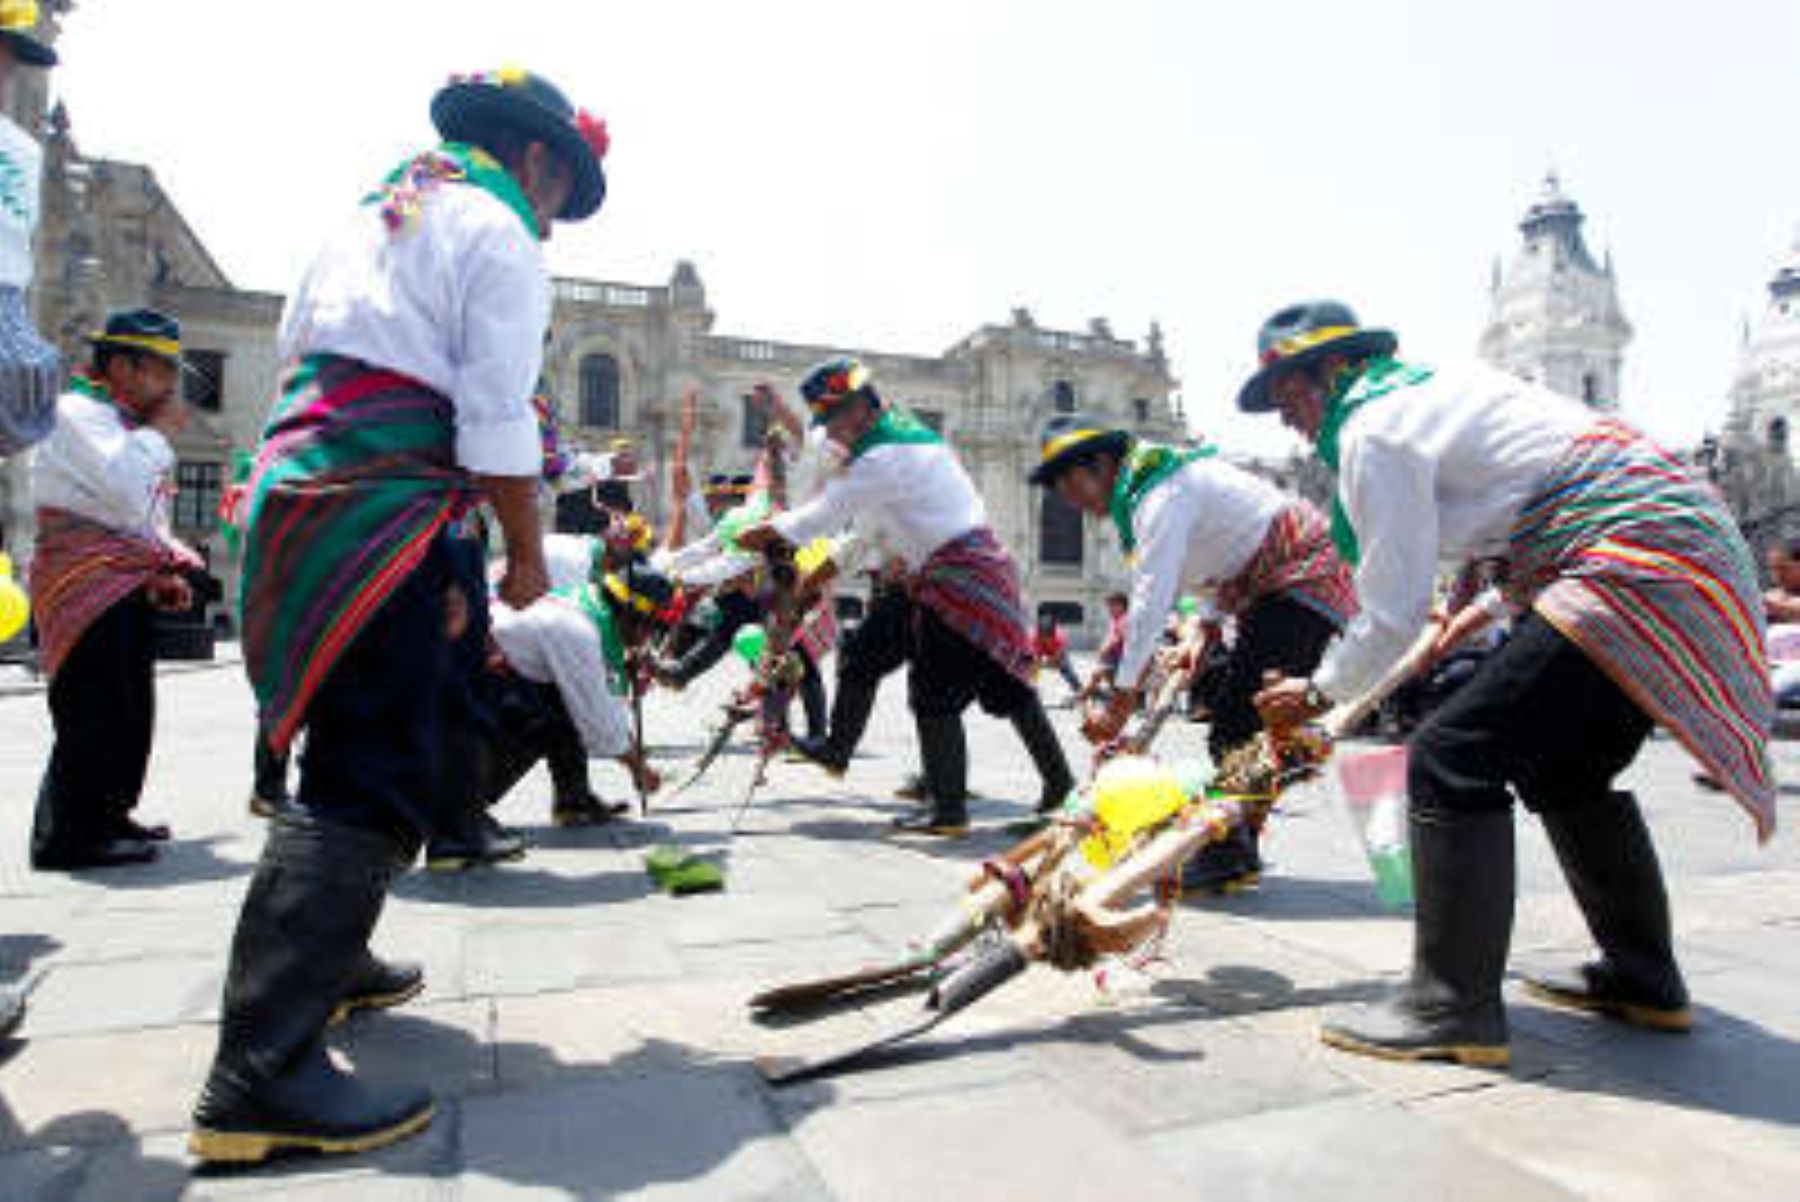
(880,644)
(530,723)
(103,711)
(736,611)
(948,672)
(1539,720)
(374,730)
(1275,634)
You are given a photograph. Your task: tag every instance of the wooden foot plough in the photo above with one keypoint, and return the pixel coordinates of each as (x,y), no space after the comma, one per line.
(1067,895)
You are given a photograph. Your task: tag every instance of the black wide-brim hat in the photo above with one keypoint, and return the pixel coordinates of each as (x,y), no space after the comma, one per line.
(144,330)
(468,107)
(20,36)
(1070,438)
(1304,334)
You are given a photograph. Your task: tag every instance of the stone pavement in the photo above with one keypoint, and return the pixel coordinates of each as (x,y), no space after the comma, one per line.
(588,1038)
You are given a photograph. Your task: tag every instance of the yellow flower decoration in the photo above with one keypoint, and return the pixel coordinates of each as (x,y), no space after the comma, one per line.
(18,14)
(512,77)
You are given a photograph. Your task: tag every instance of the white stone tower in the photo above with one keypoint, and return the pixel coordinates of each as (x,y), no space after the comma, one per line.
(1765,389)
(1556,317)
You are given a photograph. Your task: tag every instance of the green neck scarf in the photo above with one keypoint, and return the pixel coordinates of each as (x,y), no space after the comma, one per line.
(612,648)
(894,428)
(1379,378)
(1146,465)
(401,196)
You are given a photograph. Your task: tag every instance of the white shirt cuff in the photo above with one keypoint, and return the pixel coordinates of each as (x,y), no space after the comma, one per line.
(508,448)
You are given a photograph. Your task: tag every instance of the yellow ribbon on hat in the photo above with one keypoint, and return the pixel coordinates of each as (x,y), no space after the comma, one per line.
(1307,341)
(1063,442)
(18,15)
(160,346)
(621,592)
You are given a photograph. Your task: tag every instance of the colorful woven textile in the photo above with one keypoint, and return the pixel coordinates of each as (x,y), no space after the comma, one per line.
(1297,557)
(81,569)
(1641,566)
(355,477)
(972,584)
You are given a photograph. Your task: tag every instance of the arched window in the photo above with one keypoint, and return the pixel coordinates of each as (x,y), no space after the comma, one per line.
(754,427)
(1059,532)
(600,392)
(1062,396)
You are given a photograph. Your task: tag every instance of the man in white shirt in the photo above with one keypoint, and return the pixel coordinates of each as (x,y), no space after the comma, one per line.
(106,561)
(1187,519)
(414,343)
(969,640)
(565,669)
(1641,607)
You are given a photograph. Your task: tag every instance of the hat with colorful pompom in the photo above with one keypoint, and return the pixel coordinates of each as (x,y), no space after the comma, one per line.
(470,108)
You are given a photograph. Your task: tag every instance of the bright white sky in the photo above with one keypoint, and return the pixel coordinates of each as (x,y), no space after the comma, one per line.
(894,174)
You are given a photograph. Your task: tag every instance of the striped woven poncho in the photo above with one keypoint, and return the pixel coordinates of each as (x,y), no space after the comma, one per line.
(355,478)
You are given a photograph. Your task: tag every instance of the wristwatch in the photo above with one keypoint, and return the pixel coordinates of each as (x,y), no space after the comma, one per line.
(1315,700)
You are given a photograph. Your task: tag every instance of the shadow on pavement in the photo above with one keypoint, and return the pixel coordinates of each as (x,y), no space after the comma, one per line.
(660,1115)
(178,862)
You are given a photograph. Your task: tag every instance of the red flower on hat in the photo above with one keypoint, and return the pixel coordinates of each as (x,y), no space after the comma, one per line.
(593,131)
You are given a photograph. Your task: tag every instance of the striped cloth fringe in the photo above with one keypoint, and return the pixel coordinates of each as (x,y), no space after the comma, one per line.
(31,376)
(80,569)
(1641,566)
(1298,558)
(355,477)
(971,583)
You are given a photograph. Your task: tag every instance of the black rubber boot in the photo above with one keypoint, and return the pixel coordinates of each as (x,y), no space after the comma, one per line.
(850,711)
(1450,1009)
(301,939)
(1040,740)
(1611,866)
(379,984)
(945,750)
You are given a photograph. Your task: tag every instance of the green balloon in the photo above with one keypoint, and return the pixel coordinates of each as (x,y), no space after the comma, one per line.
(1188,606)
(749,643)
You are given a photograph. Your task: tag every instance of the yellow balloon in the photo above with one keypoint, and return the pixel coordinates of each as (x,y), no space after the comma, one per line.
(1130,794)
(15,606)
(813,555)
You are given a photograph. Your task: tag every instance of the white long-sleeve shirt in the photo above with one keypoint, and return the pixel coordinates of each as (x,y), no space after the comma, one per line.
(1197,529)
(1432,473)
(93,465)
(552,641)
(569,559)
(21,166)
(458,300)
(914,496)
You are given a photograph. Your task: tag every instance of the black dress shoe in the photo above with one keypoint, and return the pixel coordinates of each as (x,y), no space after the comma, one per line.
(128,827)
(820,752)
(486,843)
(108,853)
